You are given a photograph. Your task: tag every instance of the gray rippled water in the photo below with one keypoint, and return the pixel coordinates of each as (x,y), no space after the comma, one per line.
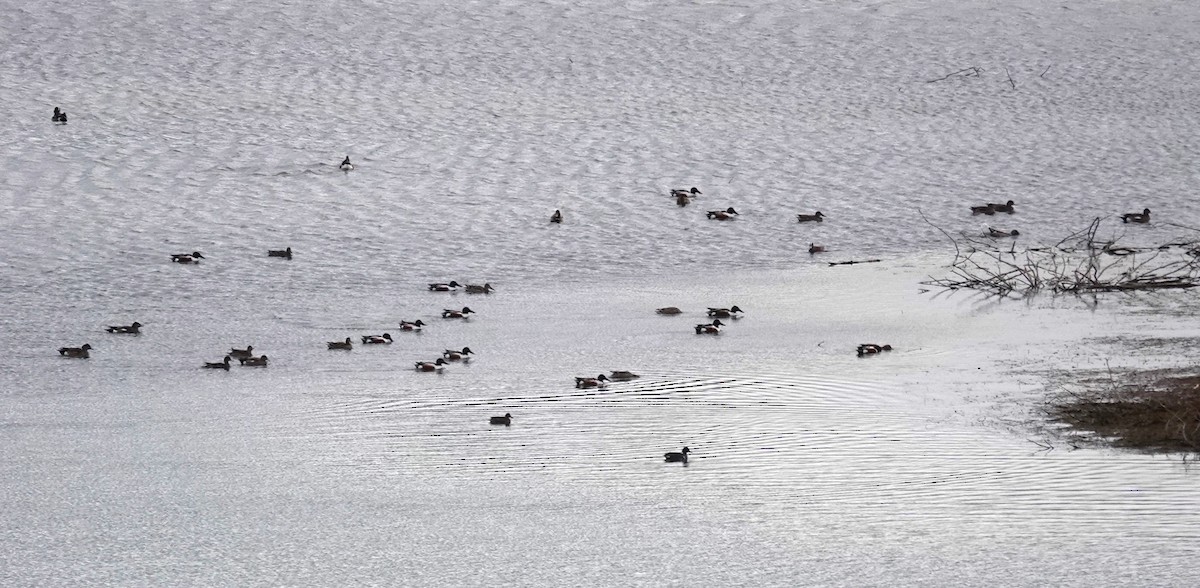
(218,126)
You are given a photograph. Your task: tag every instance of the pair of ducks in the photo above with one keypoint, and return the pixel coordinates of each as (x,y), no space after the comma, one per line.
(260,361)
(59,116)
(453,286)
(713,312)
(440,363)
(196,256)
(602,380)
(990,208)
(683,197)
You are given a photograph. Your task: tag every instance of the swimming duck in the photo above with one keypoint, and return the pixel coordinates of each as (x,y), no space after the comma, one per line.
(726,214)
(218,365)
(453,355)
(505,420)
(440,287)
(668,310)
(343,345)
(688,193)
(724,312)
(677,456)
(280,253)
(622,376)
(997,233)
(431,366)
(462,314)
(1007,207)
(682,199)
(476,289)
(871,349)
(384,339)
(713,328)
(77,352)
(1133,217)
(260,361)
(192,257)
(133,329)
(59,116)
(556,217)
(810,218)
(814,248)
(346,165)
(988,209)
(240,353)
(413,326)
(599,381)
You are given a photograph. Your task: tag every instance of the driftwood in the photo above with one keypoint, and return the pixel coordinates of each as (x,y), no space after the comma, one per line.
(854,262)
(1078,264)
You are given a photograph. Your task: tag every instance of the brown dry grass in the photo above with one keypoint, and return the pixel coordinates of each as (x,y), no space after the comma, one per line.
(1163,415)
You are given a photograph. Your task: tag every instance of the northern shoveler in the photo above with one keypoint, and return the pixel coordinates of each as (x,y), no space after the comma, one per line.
(76,352)
(677,456)
(724,312)
(133,329)
(713,328)
(556,217)
(413,326)
(431,366)
(59,116)
(622,376)
(260,361)
(346,165)
(384,339)
(810,218)
(997,233)
(668,310)
(599,381)
(477,289)
(726,214)
(287,253)
(218,365)
(872,349)
(239,353)
(192,257)
(343,345)
(453,355)
(447,287)
(1133,217)
(814,248)
(450,313)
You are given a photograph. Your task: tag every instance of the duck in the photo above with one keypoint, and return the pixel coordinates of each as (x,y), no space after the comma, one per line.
(816,217)
(872,349)
(343,345)
(713,328)
(260,361)
(997,233)
(431,366)
(724,312)
(726,214)
(453,355)
(133,329)
(462,314)
(240,353)
(76,352)
(346,165)
(682,199)
(1007,207)
(599,381)
(218,365)
(676,192)
(477,289)
(192,257)
(444,287)
(988,209)
(669,310)
(287,253)
(677,456)
(384,339)
(505,420)
(814,248)
(413,326)
(622,376)
(1133,217)
(59,116)
(556,217)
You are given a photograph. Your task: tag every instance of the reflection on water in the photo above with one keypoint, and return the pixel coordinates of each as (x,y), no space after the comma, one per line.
(218,128)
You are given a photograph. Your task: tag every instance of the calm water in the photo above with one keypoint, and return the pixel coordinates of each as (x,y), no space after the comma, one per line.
(218,126)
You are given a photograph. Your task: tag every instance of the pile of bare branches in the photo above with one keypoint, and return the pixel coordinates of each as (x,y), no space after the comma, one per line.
(1079,264)
(1163,414)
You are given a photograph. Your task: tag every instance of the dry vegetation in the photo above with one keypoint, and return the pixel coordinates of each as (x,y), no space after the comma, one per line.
(1162,414)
